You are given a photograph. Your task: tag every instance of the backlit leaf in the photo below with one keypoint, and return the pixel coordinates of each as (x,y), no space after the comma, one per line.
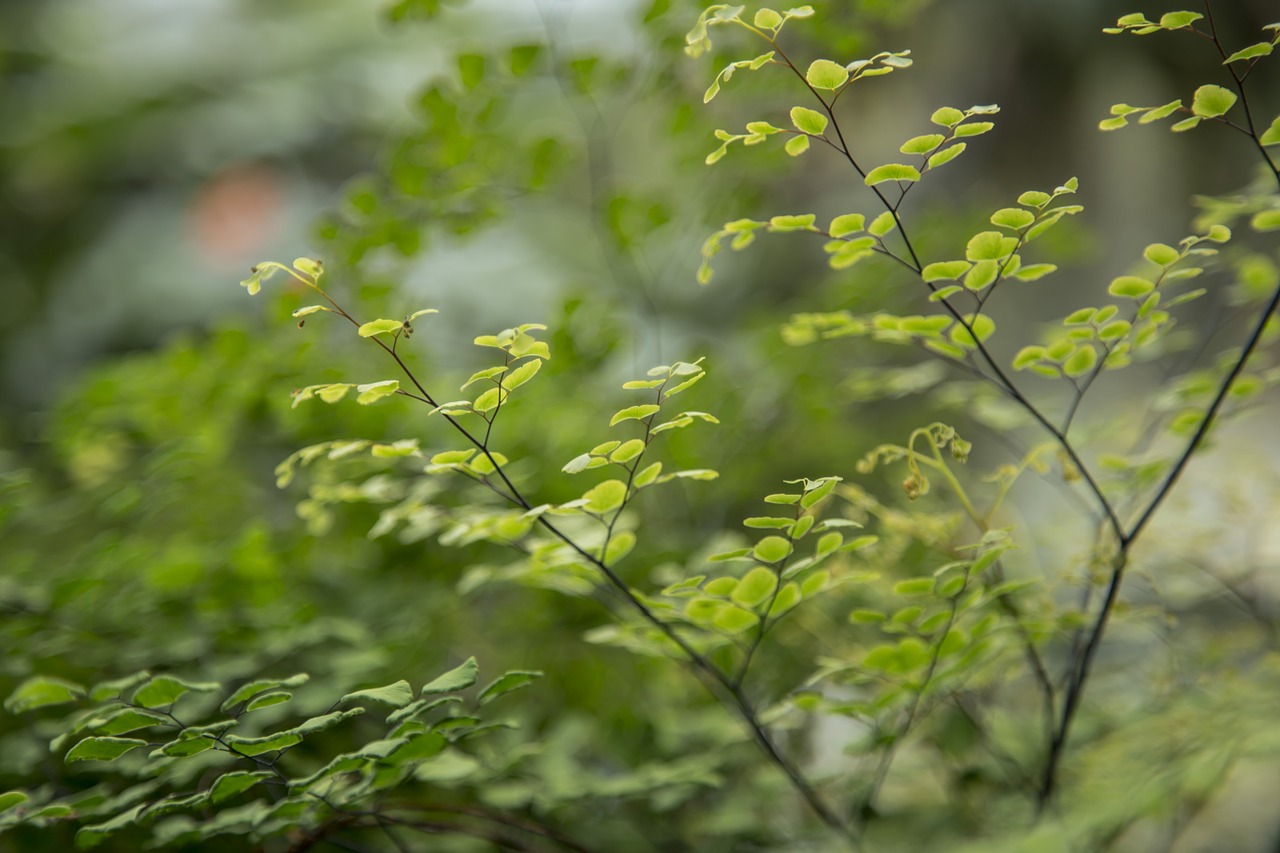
(892,172)
(1212,101)
(380,327)
(825,74)
(808,121)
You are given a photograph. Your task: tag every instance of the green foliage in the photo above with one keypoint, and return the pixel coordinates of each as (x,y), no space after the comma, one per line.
(199,752)
(900,653)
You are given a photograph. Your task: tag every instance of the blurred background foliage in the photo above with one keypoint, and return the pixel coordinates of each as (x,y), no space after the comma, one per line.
(512,161)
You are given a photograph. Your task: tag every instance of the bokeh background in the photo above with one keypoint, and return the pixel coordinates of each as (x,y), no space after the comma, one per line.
(151,152)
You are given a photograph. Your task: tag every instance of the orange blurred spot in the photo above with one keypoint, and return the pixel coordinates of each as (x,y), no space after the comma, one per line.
(235,215)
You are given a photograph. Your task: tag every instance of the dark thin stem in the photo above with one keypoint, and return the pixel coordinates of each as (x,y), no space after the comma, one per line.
(1000,377)
(848,153)
(1084,659)
(1244,97)
(717,683)
(1209,417)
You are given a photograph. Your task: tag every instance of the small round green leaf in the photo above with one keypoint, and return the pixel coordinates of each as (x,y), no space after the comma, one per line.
(772,549)
(1160,254)
(825,74)
(1131,286)
(1212,101)
(796,145)
(945,270)
(605,497)
(947,117)
(380,327)
(756,586)
(891,172)
(1012,218)
(946,155)
(808,121)
(634,413)
(922,144)
(1081,361)
(849,223)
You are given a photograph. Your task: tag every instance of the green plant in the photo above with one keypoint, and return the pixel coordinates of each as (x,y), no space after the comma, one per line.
(929,646)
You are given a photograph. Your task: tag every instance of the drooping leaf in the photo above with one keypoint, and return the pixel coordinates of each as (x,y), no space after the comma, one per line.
(891,172)
(102,748)
(634,413)
(396,695)
(456,679)
(40,691)
(506,683)
(164,690)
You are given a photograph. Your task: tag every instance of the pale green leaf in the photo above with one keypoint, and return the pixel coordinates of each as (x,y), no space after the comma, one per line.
(946,155)
(989,245)
(945,270)
(1012,218)
(605,497)
(808,121)
(767,19)
(1160,254)
(947,117)
(375,391)
(849,223)
(380,327)
(521,374)
(922,144)
(755,587)
(825,74)
(1081,361)
(1253,51)
(634,413)
(1178,20)
(892,172)
(1032,272)
(772,549)
(1266,220)
(882,224)
(1131,286)
(620,545)
(1212,101)
(974,128)
(1271,136)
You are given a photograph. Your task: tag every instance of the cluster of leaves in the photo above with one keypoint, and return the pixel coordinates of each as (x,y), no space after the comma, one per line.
(207,767)
(923,650)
